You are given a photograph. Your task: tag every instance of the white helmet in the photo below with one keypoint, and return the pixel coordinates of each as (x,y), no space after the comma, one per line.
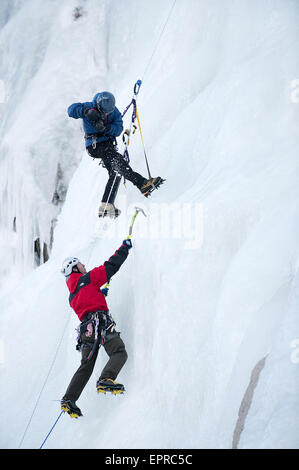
(68,264)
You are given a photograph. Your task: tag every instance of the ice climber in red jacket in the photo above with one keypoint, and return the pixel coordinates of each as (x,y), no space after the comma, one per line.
(97,326)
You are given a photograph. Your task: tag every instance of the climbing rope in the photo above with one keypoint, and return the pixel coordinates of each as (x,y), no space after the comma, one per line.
(159,39)
(145,156)
(51,429)
(45,382)
(135,114)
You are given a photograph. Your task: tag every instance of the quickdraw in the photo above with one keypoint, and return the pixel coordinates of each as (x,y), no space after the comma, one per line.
(133,127)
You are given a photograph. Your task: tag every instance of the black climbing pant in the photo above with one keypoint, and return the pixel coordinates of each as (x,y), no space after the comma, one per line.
(114,347)
(115,163)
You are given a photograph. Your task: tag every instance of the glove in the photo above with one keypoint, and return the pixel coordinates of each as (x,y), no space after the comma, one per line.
(92,114)
(96,118)
(128,243)
(100,127)
(105,291)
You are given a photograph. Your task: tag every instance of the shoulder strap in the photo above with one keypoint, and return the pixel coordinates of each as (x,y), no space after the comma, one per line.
(83,281)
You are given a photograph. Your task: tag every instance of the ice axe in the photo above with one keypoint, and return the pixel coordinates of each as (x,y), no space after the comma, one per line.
(105,289)
(137,210)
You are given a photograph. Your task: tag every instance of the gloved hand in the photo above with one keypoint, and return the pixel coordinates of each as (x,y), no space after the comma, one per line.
(128,243)
(105,291)
(99,126)
(96,118)
(92,114)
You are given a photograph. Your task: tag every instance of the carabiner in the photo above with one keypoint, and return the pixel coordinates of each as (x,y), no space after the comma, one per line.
(137,87)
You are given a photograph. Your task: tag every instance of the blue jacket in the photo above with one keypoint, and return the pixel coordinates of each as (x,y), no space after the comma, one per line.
(114,119)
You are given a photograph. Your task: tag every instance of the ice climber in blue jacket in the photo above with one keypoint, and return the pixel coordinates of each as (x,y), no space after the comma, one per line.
(102,123)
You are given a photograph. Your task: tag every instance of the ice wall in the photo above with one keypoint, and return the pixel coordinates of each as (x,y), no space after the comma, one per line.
(198,304)
(47,61)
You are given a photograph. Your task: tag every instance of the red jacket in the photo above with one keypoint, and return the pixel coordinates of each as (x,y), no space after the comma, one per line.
(85,294)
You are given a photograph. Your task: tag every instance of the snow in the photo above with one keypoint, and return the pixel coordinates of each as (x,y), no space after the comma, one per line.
(210,286)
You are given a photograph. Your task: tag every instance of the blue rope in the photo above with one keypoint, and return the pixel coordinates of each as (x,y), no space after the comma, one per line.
(51,429)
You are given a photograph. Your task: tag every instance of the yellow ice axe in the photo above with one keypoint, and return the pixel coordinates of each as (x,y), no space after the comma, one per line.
(137,210)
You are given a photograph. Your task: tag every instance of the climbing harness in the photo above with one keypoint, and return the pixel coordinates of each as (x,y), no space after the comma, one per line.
(96,326)
(93,138)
